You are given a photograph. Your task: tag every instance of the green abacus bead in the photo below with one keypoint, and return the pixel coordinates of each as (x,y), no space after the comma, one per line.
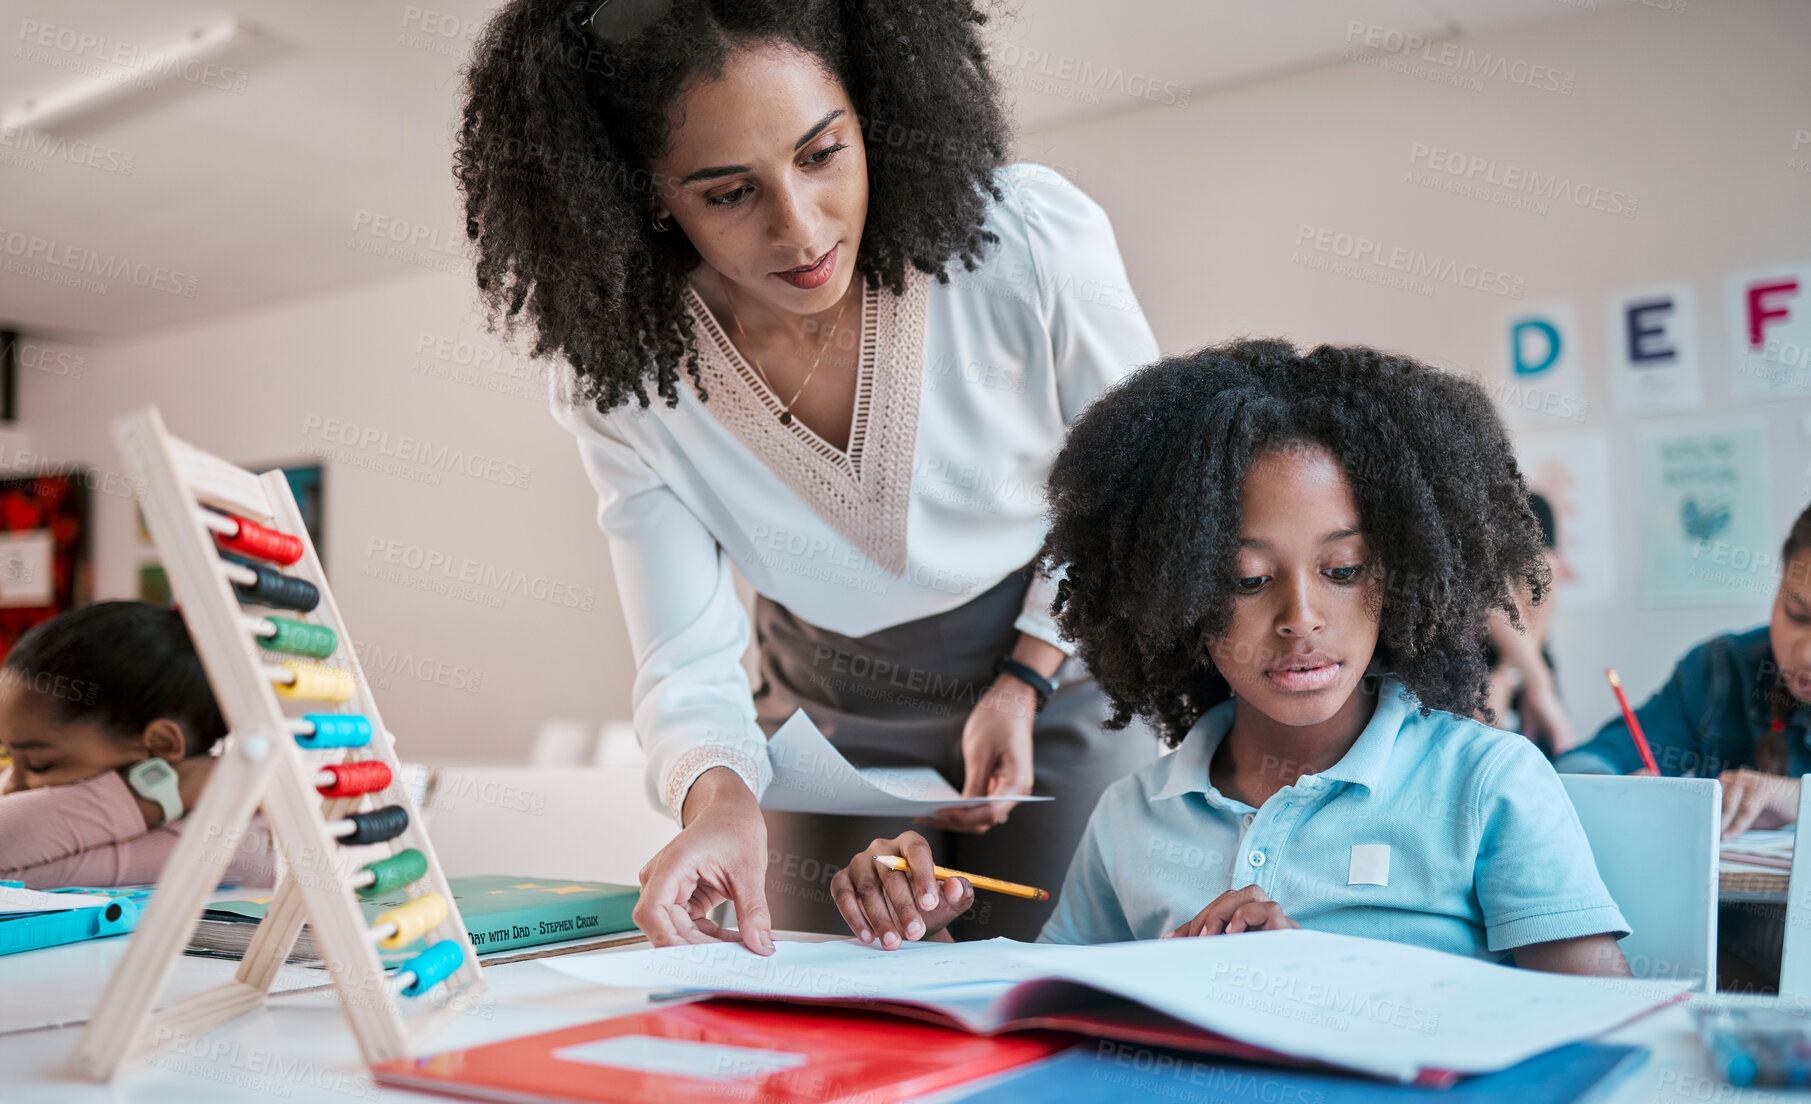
(298,638)
(401,869)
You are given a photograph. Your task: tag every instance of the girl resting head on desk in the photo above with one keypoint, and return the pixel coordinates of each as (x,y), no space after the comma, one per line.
(108,718)
(1737,708)
(1284,561)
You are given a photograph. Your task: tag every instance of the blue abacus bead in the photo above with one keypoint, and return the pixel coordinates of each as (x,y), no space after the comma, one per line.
(432,966)
(336,730)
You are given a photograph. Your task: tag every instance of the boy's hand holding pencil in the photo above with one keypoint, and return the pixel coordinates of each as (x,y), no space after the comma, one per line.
(889,906)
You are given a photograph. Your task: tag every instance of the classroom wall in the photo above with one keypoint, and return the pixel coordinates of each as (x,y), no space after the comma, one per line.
(480,604)
(1691,108)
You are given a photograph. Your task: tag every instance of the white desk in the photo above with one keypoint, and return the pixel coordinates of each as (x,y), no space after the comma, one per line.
(299,1049)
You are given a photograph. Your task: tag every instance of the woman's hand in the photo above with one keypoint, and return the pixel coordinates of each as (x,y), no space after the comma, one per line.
(1235,911)
(996,754)
(720,855)
(1755,799)
(891,906)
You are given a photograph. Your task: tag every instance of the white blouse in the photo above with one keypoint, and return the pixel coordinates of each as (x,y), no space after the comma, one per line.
(964,393)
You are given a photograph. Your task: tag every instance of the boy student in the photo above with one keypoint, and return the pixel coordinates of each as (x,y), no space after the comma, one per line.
(109,720)
(1284,562)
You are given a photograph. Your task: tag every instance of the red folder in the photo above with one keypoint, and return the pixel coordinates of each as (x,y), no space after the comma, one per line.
(724,1052)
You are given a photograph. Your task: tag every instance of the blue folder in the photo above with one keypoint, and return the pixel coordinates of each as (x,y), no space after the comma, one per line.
(1104,1071)
(28,931)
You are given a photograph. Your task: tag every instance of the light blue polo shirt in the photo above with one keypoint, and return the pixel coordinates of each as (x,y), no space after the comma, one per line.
(1437,831)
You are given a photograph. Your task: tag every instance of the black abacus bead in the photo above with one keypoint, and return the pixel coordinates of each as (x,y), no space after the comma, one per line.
(377,825)
(275,589)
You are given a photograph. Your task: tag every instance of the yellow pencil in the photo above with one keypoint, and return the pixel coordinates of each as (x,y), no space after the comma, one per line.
(1011,889)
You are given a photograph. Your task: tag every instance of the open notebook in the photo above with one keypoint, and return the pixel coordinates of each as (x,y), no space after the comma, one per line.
(1381,1008)
(722,1052)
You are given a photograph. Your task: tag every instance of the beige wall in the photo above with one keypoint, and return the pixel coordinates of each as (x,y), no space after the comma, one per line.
(466,672)
(1692,111)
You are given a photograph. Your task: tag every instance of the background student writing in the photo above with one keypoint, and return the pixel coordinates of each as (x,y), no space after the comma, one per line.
(1737,708)
(84,698)
(1284,562)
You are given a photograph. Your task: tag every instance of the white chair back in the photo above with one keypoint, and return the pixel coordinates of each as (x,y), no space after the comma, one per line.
(1656,844)
(1795,950)
(617,746)
(585,823)
(561,742)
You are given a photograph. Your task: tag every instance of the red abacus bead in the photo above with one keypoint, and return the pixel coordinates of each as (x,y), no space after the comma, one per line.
(352,779)
(262,543)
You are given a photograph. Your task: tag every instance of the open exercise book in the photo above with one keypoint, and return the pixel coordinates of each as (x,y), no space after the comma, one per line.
(1381,1008)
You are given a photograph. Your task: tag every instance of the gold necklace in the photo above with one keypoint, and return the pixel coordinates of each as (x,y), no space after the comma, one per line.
(786,407)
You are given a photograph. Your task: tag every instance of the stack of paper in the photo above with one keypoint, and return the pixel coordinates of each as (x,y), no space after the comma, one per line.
(1763,850)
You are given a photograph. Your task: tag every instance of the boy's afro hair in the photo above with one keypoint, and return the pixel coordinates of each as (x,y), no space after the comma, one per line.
(1145,494)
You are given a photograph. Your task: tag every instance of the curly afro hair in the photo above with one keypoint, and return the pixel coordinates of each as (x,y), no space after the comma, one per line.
(1145,515)
(559,130)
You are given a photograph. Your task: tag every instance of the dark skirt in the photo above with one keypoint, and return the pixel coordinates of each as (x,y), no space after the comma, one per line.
(899,697)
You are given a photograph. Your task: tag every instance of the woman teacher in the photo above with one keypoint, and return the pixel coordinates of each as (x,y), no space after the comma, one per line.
(818,331)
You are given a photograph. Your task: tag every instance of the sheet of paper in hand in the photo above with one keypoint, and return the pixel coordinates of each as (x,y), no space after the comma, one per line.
(811,776)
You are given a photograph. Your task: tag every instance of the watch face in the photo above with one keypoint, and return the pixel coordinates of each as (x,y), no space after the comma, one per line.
(153,772)
(156,780)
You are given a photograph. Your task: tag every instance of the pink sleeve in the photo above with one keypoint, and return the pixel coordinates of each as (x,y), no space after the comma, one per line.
(254,860)
(92,833)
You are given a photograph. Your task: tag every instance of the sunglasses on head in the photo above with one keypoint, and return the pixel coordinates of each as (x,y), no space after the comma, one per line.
(614,21)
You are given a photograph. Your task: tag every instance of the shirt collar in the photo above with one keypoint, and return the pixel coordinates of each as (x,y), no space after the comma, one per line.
(1188,766)
(1364,764)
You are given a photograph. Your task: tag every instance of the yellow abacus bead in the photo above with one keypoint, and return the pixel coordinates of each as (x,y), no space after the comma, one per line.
(314,682)
(413,920)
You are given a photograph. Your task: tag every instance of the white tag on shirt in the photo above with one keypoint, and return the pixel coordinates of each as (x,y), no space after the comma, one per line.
(1370,864)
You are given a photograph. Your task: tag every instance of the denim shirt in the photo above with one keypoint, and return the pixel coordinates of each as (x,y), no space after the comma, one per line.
(1706,719)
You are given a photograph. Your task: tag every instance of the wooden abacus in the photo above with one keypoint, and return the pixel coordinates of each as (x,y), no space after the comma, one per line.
(223,534)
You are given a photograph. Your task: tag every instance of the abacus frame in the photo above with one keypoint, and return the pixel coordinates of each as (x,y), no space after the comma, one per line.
(261,766)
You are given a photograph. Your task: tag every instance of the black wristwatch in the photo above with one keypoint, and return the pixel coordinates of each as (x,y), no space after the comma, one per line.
(1041,686)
